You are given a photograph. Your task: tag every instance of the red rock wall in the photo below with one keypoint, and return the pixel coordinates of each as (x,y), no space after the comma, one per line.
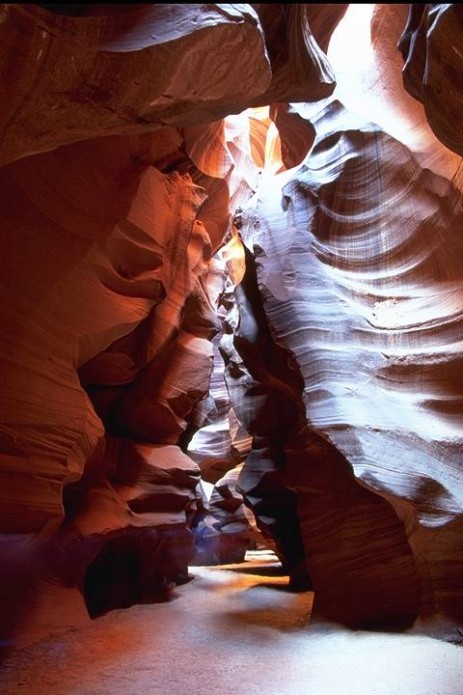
(338,323)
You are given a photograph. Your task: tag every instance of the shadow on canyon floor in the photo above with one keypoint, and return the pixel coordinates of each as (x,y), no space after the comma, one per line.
(229,631)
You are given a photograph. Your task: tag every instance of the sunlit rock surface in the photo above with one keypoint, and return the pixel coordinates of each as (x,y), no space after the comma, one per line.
(102,288)
(66,78)
(145,346)
(226,529)
(79,297)
(357,258)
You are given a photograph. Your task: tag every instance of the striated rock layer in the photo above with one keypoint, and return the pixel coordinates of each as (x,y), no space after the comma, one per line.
(104,275)
(67,78)
(125,284)
(357,259)
(111,215)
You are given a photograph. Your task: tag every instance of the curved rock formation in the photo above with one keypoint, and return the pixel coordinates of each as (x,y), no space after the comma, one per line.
(81,282)
(125,283)
(357,264)
(67,78)
(226,529)
(431,46)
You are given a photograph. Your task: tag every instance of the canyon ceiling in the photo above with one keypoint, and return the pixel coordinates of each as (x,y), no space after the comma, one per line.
(232,305)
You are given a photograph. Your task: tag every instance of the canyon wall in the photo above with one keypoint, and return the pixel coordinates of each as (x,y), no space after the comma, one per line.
(224,330)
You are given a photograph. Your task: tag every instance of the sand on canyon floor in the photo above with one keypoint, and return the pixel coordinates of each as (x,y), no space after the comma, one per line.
(232,630)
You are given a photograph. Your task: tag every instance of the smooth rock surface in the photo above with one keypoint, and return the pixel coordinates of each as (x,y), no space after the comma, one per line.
(372,320)
(124,282)
(431,46)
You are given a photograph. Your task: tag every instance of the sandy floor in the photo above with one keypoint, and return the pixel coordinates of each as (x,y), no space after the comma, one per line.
(230,631)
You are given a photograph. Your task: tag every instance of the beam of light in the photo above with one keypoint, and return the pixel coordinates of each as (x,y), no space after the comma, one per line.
(350,47)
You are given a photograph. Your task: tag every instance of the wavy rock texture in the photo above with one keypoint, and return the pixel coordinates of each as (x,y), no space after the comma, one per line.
(102,288)
(357,264)
(82,296)
(67,78)
(339,323)
(104,300)
(147,502)
(218,441)
(370,82)
(261,386)
(226,529)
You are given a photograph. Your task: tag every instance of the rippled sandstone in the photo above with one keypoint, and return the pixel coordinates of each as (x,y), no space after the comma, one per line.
(149,342)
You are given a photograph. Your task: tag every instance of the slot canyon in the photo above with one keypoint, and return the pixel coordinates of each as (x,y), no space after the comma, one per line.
(232,349)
